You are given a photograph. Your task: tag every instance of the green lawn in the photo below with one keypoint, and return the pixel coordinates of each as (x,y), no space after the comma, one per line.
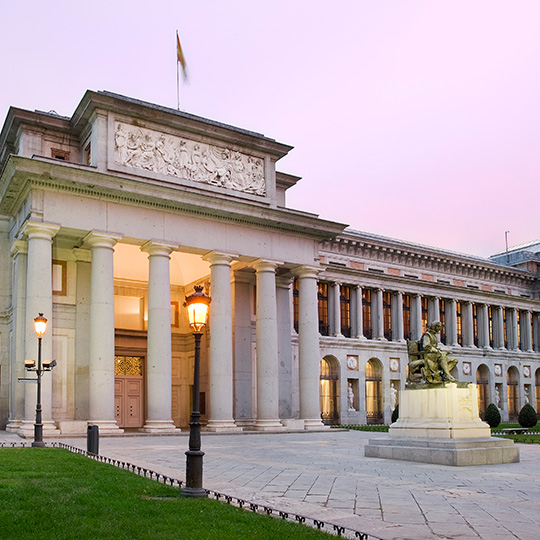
(53,494)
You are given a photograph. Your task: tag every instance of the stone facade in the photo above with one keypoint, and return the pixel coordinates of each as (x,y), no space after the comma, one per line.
(100,211)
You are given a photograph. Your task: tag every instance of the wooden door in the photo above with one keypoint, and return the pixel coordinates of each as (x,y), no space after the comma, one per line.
(129,391)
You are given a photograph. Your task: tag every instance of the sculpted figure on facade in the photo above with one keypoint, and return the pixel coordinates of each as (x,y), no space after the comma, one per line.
(150,150)
(428,361)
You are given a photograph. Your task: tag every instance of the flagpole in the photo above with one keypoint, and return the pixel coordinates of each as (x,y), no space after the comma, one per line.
(177,78)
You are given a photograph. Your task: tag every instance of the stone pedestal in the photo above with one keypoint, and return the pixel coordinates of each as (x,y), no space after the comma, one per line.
(440,424)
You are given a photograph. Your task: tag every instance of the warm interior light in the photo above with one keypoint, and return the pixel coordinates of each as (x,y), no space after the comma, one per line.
(40,325)
(197,305)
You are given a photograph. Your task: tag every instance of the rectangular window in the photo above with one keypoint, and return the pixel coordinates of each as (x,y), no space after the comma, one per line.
(175,323)
(490,317)
(424,301)
(366,313)
(505,326)
(296,305)
(519,343)
(59,277)
(459,324)
(387,315)
(406,316)
(475,324)
(442,318)
(345,309)
(322,295)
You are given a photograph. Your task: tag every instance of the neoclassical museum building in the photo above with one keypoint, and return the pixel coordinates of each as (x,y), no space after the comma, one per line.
(109,218)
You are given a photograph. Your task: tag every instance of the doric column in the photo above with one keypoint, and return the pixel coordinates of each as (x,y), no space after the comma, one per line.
(284,302)
(526,331)
(83,258)
(451,323)
(39,300)
(267,347)
(377,316)
(221,344)
(397,316)
(358,326)
(335,308)
(498,327)
(308,348)
(19,255)
(159,357)
(416,316)
(468,325)
(512,329)
(483,325)
(434,311)
(101,358)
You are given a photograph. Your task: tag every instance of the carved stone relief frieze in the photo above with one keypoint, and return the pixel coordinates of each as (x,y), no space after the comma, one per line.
(170,155)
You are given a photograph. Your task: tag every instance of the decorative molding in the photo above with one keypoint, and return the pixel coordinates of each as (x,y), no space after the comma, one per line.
(150,150)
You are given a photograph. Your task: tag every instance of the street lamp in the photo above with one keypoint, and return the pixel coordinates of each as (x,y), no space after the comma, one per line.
(40,325)
(197,305)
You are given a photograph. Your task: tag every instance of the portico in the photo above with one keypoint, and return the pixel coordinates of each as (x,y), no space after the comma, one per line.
(150,224)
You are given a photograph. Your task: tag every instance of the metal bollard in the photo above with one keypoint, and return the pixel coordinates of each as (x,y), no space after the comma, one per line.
(92,440)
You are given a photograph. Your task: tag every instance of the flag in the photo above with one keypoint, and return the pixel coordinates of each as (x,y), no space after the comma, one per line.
(180,56)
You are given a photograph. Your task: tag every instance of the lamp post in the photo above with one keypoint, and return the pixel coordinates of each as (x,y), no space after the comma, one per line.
(197,305)
(40,325)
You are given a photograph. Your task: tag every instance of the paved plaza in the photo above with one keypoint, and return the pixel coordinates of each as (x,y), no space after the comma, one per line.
(324,475)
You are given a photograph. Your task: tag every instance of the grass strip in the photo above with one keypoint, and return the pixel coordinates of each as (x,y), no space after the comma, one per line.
(51,493)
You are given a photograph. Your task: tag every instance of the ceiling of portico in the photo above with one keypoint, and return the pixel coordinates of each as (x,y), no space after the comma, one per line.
(130,263)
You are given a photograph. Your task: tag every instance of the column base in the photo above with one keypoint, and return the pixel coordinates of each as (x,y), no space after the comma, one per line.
(268,425)
(222,426)
(26,429)
(106,427)
(13,426)
(314,423)
(159,426)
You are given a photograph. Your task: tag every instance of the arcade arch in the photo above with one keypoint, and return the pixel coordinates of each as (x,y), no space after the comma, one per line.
(329,395)
(374,401)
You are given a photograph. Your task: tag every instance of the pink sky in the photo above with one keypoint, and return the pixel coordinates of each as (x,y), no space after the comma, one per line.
(418,120)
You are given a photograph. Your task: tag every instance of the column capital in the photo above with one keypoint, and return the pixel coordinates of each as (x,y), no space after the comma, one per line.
(357,287)
(307,271)
(101,239)
(266,265)
(396,293)
(219,257)
(40,229)
(19,247)
(284,282)
(159,248)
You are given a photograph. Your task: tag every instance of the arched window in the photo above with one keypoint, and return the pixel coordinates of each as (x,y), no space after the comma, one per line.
(329,376)
(482,382)
(512,382)
(374,412)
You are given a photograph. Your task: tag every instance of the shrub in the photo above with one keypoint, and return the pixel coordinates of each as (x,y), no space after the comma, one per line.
(527,416)
(492,416)
(395,414)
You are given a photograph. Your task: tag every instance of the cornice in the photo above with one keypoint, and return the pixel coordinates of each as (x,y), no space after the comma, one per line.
(420,259)
(24,174)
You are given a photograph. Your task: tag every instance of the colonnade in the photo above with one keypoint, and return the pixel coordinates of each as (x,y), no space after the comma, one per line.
(501,332)
(34,278)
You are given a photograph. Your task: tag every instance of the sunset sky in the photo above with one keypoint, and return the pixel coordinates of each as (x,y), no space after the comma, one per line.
(418,120)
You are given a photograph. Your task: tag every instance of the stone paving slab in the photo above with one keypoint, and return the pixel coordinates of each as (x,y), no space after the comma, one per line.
(325,476)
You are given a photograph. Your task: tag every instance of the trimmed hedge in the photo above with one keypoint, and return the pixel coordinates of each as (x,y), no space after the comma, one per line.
(527,416)
(492,415)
